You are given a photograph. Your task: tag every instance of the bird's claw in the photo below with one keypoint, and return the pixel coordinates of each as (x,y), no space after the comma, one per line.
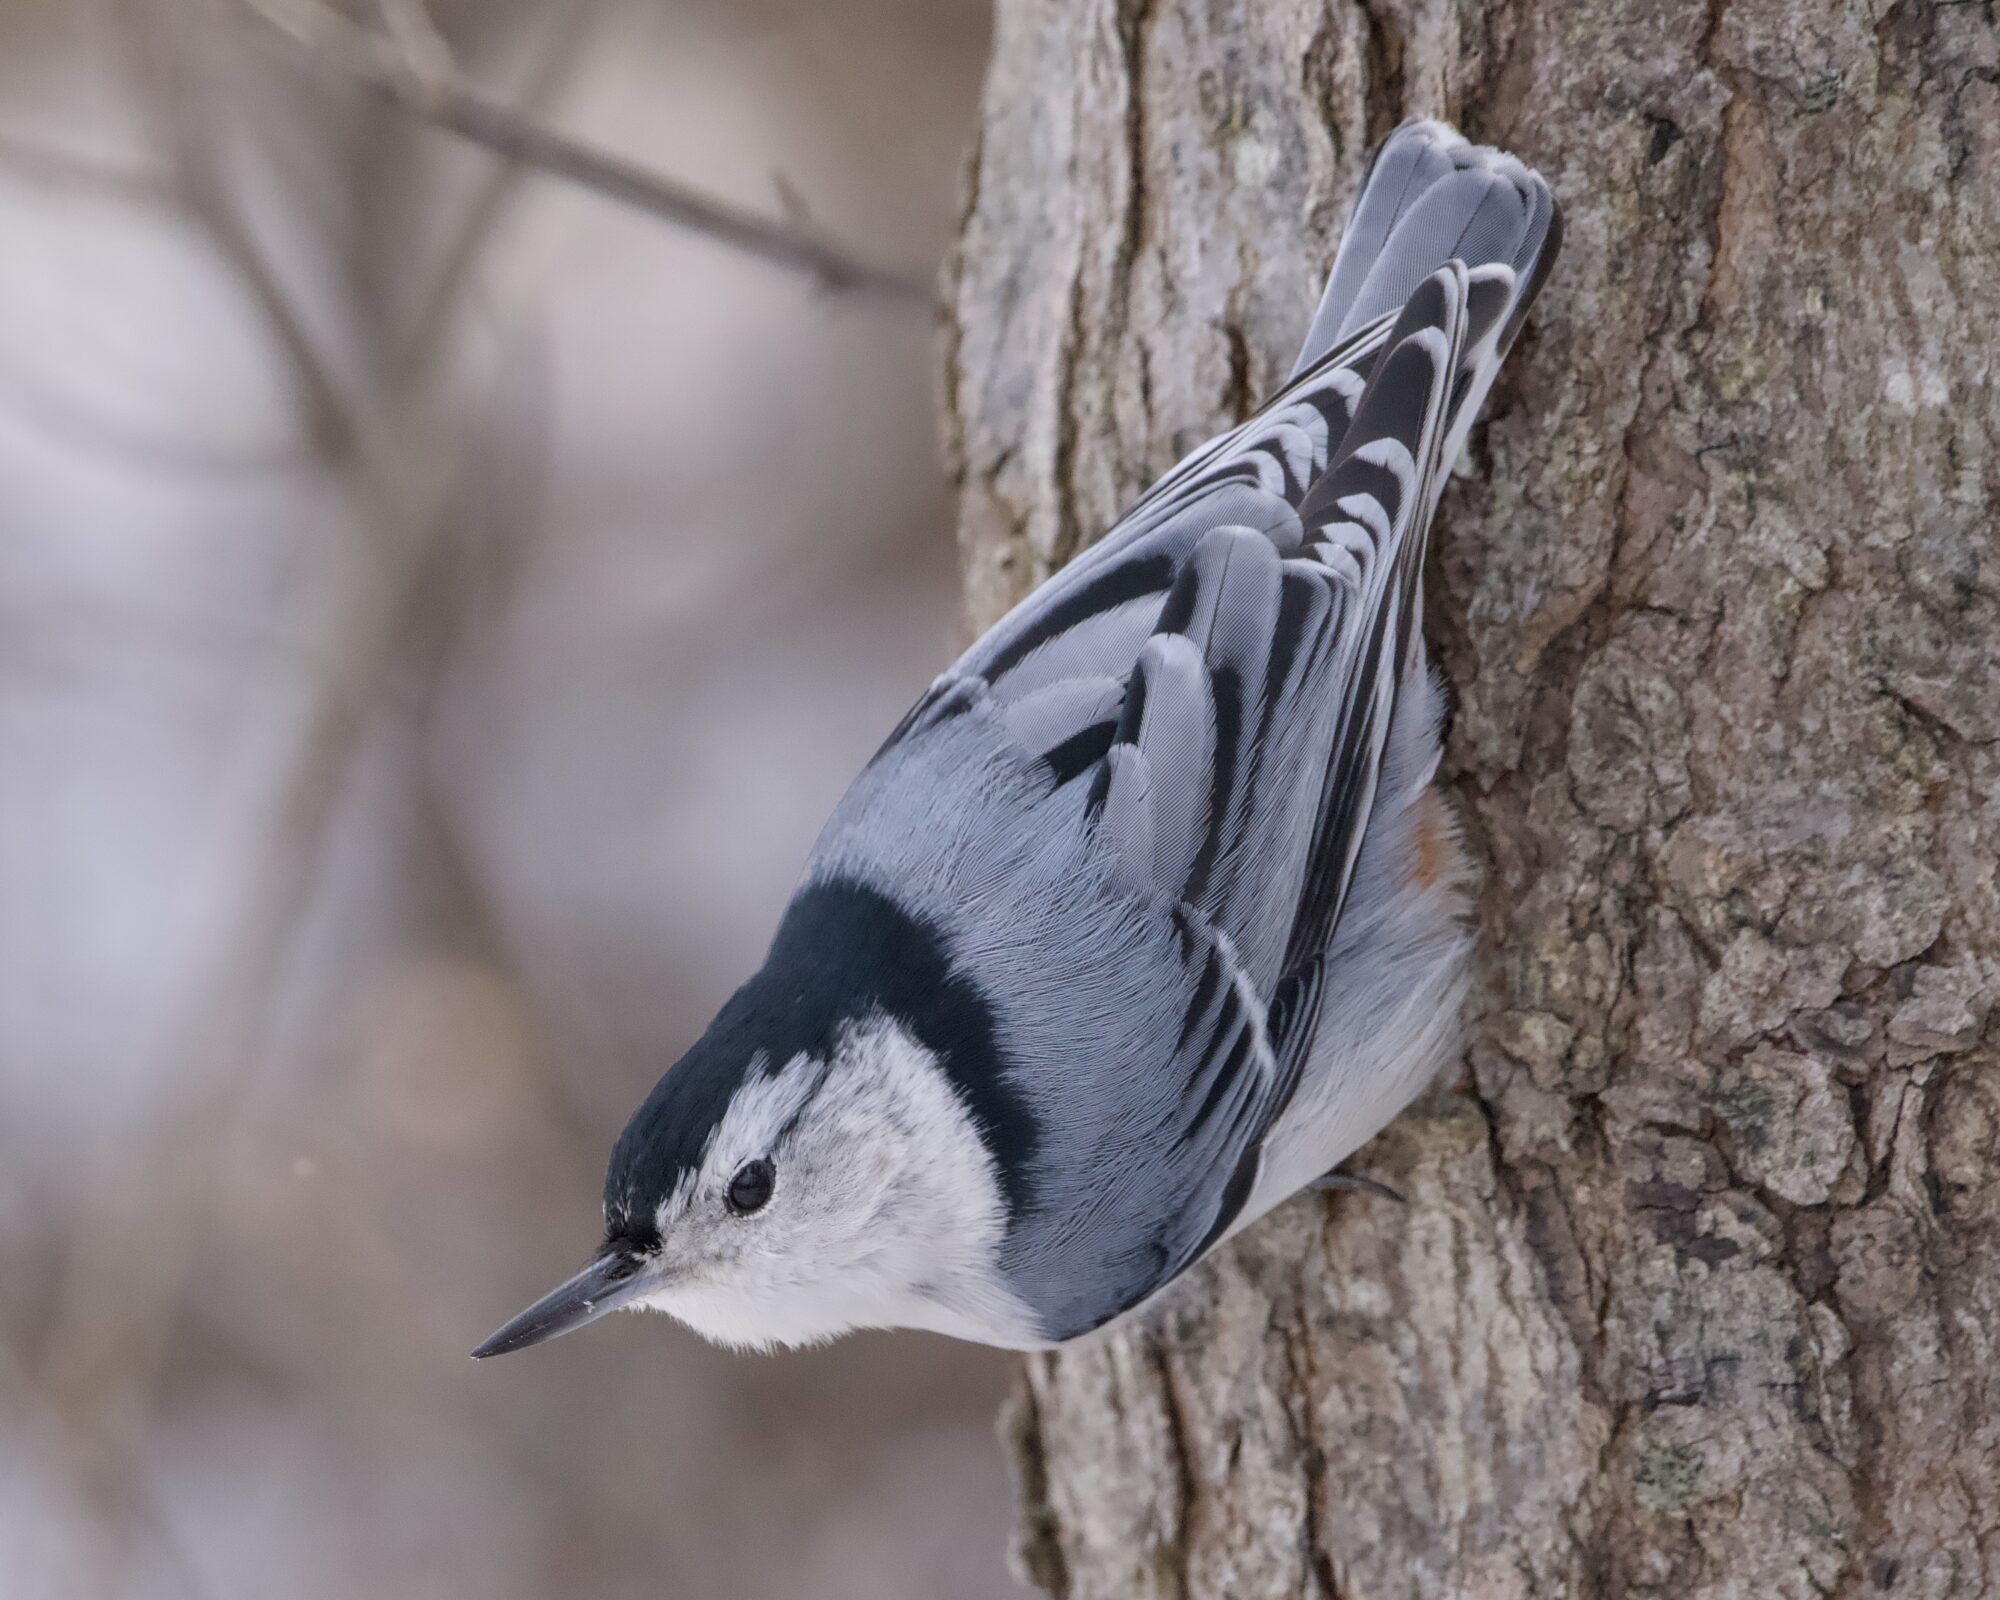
(1343,1180)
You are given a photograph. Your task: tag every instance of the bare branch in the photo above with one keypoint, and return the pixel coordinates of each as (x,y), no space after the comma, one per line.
(549,68)
(408,24)
(429,89)
(52,167)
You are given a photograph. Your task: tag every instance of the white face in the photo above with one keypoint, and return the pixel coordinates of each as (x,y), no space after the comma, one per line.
(884,1208)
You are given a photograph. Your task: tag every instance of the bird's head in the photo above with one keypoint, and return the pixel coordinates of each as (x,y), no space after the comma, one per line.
(810,1166)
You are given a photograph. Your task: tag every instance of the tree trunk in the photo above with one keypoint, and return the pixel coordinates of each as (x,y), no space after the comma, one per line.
(1698,1288)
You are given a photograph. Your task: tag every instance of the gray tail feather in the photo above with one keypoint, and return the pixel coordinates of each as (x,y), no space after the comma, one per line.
(1431,197)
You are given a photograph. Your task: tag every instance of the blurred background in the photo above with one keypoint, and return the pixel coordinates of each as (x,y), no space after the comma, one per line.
(438,606)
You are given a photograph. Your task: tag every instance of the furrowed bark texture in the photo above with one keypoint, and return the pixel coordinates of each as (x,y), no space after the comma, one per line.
(1698,1289)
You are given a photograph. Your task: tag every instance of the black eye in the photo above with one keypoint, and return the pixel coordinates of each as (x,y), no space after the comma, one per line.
(750,1189)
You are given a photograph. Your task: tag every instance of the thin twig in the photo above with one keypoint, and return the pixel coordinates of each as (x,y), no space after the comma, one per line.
(408,24)
(51,167)
(450,285)
(432,92)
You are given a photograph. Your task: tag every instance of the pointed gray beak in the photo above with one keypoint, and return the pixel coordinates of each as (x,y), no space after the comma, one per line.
(614,1279)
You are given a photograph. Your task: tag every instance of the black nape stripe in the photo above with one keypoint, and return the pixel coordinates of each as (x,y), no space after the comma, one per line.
(843,953)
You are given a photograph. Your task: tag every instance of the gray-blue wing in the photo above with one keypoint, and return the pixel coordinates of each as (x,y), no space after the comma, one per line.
(1228,729)
(1229,796)
(1175,1161)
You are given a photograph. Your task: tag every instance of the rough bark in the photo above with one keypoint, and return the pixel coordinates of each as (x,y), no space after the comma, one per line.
(1699,1286)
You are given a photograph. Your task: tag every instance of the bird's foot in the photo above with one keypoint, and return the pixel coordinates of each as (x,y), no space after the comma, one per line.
(1345,1180)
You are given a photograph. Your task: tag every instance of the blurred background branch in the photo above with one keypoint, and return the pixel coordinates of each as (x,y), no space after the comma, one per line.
(439,610)
(412,68)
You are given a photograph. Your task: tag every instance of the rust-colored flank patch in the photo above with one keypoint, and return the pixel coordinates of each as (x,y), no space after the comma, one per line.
(1429,842)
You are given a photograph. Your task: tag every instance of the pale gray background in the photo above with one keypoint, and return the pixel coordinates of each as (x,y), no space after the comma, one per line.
(315,1029)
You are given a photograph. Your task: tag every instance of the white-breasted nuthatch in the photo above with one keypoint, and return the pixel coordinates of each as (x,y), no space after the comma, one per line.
(1147,914)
